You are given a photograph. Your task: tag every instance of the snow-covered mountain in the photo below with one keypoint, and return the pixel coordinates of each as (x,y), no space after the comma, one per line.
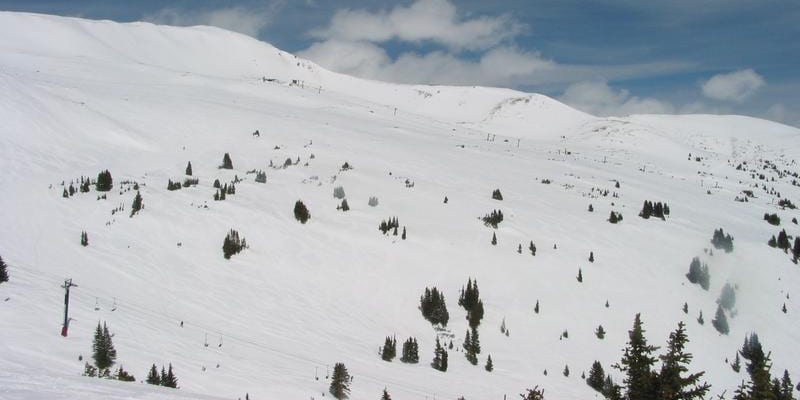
(141,100)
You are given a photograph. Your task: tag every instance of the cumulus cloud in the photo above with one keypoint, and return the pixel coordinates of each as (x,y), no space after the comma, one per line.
(238,19)
(735,86)
(600,99)
(437,21)
(498,66)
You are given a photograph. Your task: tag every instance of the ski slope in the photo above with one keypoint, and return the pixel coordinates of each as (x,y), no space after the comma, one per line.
(142,100)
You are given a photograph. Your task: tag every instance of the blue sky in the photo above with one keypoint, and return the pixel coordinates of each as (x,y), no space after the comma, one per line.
(608,57)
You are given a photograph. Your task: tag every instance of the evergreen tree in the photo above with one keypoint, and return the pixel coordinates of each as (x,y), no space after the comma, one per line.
(758,367)
(84,239)
(637,362)
(403,236)
(153,377)
(344,206)
(137,205)
(497,195)
(673,383)
(532,248)
(494,239)
(685,308)
(591,209)
(163,377)
(227,163)
(340,382)
(410,351)
(489,364)
(700,319)
(596,377)
(439,357)
(591,256)
(536,307)
(389,349)
(533,394)
(783,240)
(727,299)
(433,307)
(123,375)
(580,275)
(722,241)
(720,322)
(600,332)
(189,168)
(169,380)
(566,371)
(737,364)
(385,395)
(698,273)
(232,244)
(104,354)
(104,181)
(3,271)
(796,249)
(301,212)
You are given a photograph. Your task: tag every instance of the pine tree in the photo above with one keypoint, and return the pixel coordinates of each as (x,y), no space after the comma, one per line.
(137,205)
(591,209)
(439,357)
(536,307)
(340,382)
(301,212)
(153,377)
(566,371)
(389,349)
(580,275)
(673,383)
(123,375)
(344,206)
(591,256)
(84,239)
(758,367)
(227,163)
(720,322)
(533,394)
(3,271)
(596,376)
(189,168)
(600,332)
(494,239)
(637,362)
(532,248)
(410,351)
(104,354)
(700,319)
(385,395)
(737,364)
(403,236)
(232,244)
(169,379)
(104,181)
(489,364)
(685,308)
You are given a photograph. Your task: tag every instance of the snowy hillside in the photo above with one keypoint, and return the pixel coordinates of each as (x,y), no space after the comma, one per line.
(79,97)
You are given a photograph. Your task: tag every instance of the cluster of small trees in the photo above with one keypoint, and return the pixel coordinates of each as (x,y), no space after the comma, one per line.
(233,244)
(758,368)
(104,181)
(137,205)
(783,242)
(493,219)
(166,378)
(222,192)
(642,381)
(472,345)
(227,163)
(614,217)
(173,185)
(657,210)
(471,302)
(3,271)
(301,212)
(786,203)
(772,219)
(433,306)
(722,241)
(261,177)
(440,357)
(389,350)
(497,195)
(392,224)
(410,351)
(698,273)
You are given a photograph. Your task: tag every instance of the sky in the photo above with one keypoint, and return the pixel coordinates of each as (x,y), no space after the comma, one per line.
(606,57)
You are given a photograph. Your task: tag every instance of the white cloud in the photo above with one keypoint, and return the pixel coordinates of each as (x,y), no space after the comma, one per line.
(735,86)
(424,20)
(238,19)
(501,66)
(599,98)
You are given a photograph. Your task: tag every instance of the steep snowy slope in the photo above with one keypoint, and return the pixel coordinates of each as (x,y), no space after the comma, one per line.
(142,100)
